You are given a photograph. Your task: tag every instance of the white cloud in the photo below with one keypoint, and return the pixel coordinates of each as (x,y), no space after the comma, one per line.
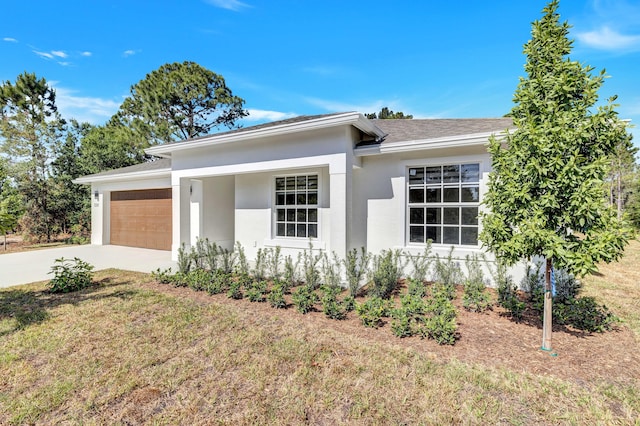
(265,115)
(84,108)
(64,64)
(45,55)
(86,53)
(129,52)
(59,53)
(10,39)
(605,38)
(234,5)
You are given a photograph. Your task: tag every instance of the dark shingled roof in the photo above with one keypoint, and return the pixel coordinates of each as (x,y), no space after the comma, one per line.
(162,163)
(400,130)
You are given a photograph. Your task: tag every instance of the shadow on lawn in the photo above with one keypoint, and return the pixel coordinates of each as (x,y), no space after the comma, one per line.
(27,307)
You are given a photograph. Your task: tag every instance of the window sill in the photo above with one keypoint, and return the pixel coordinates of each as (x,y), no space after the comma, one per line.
(295,243)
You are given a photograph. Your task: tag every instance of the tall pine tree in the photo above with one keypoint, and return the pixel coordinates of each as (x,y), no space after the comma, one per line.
(546,194)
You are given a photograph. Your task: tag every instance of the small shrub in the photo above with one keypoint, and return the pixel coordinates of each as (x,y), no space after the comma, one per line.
(332,271)
(304,298)
(219,282)
(259,271)
(507,290)
(310,267)
(421,263)
(180,279)
(274,263)
(331,307)
(211,255)
(349,303)
(242,264)
(228,258)
(290,278)
(199,279)
(356,268)
(413,305)
(256,291)
(70,275)
(402,323)
(372,311)
(276,296)
(416,288)
(162,276)
(475,297)
(184,260)
(386,271)
(199,253)
(447,274)
(235,288)
(440,325)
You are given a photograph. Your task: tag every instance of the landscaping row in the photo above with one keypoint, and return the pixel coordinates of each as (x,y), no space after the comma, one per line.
(423,306)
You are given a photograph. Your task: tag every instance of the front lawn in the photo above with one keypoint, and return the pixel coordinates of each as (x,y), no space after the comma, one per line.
(130,351)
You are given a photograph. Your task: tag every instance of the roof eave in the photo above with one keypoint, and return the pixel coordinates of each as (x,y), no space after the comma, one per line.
(351,118)
(85,180)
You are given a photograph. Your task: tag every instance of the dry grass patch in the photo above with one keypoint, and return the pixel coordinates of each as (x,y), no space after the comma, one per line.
(131,352)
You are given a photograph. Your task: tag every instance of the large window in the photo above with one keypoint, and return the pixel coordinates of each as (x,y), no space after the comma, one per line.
(296,200)
(443,204)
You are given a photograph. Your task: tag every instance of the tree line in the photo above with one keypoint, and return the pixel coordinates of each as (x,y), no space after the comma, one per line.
(41,152)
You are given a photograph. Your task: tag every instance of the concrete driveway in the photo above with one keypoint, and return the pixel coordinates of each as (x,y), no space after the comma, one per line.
(27,267)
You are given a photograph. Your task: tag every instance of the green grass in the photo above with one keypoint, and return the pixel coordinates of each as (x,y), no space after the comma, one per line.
(120,353)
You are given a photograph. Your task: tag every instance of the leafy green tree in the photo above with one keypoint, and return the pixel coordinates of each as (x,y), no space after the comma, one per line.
(546,195)
(622,173)
(109,147)
(386,113)
(179,101)
(30,128)
(11,208)
(70,202)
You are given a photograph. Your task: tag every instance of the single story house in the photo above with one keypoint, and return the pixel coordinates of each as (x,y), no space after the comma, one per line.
(339,181)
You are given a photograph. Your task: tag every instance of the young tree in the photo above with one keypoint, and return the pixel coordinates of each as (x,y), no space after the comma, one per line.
(546,194)
(30,127)
(622,173)
(179,101)
(386,113)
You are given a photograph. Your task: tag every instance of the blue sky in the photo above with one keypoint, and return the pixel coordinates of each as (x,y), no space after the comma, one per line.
(432,59)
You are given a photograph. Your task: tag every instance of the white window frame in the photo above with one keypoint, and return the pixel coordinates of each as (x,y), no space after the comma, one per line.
(287,207)
(469,189)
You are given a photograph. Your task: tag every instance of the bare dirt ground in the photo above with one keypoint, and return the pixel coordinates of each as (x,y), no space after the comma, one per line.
(15,243)
(489,339)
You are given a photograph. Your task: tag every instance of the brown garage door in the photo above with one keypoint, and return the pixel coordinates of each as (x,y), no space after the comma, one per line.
(141,218)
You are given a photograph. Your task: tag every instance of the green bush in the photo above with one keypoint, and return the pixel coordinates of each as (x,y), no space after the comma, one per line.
(331,306)
(421,263)
(304,298)
(475,297)
(402,323)
(184,260)
(162,276)
(440,325)
(387,269)
(198,279)
(310,268)
(416,287)
(276,296)
(219,282)
(372,311)
(447,274)
(70,275)
(356,268)
(290,278)
(256,291)
(235,288)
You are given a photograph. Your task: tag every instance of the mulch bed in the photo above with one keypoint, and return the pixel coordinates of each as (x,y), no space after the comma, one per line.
(490,339)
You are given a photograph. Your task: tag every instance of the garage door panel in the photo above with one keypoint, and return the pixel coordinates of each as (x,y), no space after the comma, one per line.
(141,218)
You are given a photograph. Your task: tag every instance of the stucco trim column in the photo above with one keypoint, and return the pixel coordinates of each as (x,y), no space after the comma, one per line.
(196,210)
(339,205)
(180,217)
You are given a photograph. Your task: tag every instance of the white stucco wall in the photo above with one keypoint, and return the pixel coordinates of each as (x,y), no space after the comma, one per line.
(219,210)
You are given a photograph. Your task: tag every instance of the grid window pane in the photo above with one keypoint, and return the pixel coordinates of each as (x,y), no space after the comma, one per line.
(434,233)
(433,215)
(416,176)
(451,235)
(470,194)
(416,216)
(469,215)
(416,234)
(433,195)
(416,195)
(469,236)
(294,191)
(470,172)
(451,174)
(445,200)
(451,216)
(451,195)
(433,175)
